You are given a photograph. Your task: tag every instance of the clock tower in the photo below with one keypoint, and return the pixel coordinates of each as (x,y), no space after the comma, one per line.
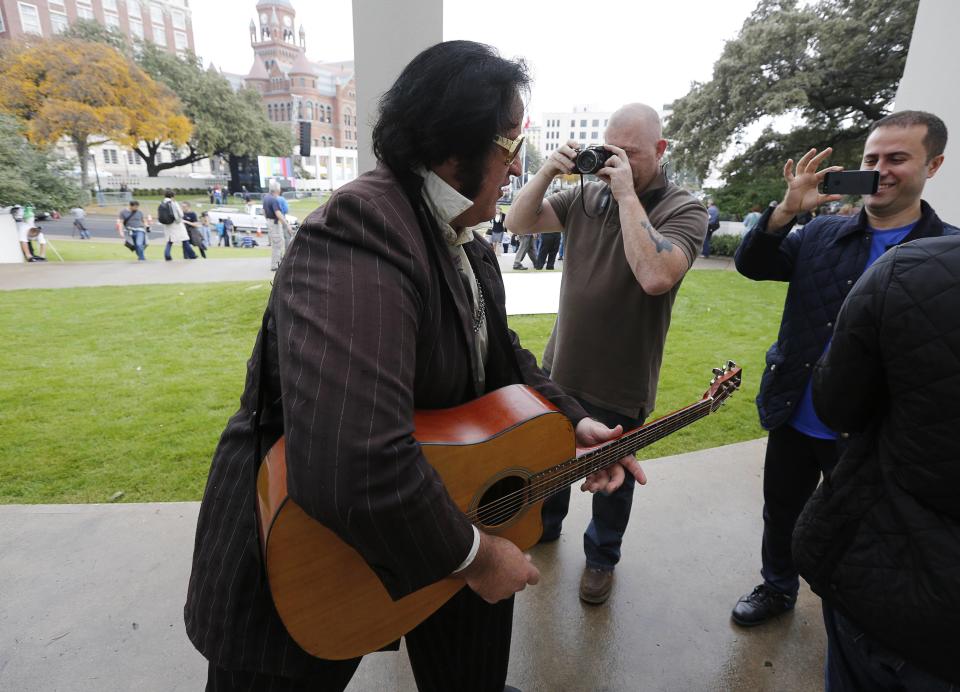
(317,101)
(273,36)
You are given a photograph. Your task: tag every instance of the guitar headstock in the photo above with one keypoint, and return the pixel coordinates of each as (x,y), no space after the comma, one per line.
(725,382)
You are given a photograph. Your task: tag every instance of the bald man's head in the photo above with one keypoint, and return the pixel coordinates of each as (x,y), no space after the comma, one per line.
(636,128)
(638,115)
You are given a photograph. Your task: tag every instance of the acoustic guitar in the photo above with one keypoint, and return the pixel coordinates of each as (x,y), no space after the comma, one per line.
(499,456)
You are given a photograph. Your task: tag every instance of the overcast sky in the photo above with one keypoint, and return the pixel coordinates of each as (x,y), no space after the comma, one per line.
(579,52)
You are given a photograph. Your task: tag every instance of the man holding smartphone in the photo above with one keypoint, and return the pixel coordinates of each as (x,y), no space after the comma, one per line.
(822,261)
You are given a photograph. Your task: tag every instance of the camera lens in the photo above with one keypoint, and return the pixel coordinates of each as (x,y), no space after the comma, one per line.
(587,161)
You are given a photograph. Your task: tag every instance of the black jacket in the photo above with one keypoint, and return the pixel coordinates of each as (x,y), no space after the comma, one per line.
(880,539)
(821,261)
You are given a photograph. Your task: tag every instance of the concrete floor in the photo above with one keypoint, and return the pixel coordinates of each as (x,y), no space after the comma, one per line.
(91,597)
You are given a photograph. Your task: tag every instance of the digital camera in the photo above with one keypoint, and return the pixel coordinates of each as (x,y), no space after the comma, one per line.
(590,160)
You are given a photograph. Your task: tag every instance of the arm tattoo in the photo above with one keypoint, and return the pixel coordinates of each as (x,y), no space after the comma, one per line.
(659,241)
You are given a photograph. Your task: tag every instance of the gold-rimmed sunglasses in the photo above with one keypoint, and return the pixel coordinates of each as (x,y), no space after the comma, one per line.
(511,146)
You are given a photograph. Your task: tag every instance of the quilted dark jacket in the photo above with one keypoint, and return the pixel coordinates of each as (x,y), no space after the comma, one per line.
(821,261)
(880,538)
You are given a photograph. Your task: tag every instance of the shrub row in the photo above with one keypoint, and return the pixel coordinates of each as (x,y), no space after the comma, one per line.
(725,245)
(179,191)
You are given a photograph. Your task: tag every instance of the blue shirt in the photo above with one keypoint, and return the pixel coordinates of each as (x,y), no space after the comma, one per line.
(804,418)
(270,206)
(282,204)
(713,214)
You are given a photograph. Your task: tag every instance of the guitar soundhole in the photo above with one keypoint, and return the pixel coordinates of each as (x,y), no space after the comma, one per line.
(501,502)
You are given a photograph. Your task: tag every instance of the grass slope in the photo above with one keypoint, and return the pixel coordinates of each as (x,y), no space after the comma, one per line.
(127,389)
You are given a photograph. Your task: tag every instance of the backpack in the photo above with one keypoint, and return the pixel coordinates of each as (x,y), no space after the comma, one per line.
(165,213)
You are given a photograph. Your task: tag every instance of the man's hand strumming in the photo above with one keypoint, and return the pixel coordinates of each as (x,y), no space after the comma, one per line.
(499,570)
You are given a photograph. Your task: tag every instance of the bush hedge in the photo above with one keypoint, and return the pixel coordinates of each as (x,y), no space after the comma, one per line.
(725,245)
(179,191)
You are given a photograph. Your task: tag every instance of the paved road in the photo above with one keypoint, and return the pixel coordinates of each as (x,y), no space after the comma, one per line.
(100,226)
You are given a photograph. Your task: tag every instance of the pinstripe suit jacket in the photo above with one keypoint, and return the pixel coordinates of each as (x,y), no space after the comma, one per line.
(368,320)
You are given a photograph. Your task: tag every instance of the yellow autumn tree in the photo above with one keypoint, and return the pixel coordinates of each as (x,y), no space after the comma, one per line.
(89,93)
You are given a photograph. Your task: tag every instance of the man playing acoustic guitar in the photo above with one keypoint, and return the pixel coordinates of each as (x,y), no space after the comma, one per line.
(384,304)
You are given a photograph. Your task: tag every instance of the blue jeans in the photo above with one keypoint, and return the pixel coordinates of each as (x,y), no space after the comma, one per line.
(706,243)
(856,662)
(139,242)
(611,512)
(188,252)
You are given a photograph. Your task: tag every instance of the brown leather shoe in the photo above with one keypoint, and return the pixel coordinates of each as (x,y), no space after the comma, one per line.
(595,585)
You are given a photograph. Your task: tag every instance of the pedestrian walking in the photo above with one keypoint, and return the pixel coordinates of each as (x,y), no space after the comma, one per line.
(78,215)
(170,216)
(132,226)
(713,224)
(192,223)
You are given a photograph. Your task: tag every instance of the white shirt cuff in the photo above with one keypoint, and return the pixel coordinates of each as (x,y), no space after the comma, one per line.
(474,549)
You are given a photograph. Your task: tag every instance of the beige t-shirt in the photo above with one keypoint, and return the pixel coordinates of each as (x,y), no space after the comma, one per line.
(607,343)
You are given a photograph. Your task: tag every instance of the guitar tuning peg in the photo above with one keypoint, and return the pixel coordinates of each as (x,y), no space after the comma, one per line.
(718,372)
(731,365)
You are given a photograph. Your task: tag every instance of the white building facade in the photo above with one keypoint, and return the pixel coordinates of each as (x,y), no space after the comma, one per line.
(582,124)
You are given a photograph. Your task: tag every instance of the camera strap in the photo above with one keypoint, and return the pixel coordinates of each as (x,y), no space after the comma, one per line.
(649,200)
(603,204)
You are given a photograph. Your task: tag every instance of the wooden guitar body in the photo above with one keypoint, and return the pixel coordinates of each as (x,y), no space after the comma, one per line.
(499,457)
(330,601)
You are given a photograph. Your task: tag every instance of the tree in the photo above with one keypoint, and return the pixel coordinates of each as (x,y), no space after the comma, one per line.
(225,123)
(87,92)
(28,174)
(93,32)
(206,97)
(833,65)
(533,159)
(252,134)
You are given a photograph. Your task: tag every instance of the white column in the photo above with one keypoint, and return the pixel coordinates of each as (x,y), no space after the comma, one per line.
(928,84)
(10,252)
(386,36)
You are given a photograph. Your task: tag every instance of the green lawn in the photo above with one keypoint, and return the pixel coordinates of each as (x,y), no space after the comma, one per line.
(99,250)
(127,389)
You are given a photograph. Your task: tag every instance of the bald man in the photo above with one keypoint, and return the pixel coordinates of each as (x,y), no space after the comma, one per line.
(631,236)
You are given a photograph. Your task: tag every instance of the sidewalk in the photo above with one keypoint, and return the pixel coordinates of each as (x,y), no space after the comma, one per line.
(93,597)
(529,292)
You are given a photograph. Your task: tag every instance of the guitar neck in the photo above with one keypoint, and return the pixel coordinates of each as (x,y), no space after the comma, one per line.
(557,477)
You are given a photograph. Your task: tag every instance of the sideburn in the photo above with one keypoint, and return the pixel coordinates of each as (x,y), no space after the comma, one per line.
(470,174)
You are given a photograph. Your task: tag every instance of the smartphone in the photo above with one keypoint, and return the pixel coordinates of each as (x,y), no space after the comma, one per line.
(850,183)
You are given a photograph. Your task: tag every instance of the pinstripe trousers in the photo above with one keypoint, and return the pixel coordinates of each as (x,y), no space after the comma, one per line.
(464,646)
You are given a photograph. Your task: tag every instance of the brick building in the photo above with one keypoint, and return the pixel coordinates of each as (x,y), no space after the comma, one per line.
(166,23)
(296,89)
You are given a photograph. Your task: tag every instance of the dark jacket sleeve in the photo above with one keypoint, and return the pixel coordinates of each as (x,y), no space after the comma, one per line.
(769,255)
(348,310)
(849,384)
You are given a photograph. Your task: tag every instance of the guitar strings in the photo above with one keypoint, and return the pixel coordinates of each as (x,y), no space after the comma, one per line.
(641,437)
(506,505)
